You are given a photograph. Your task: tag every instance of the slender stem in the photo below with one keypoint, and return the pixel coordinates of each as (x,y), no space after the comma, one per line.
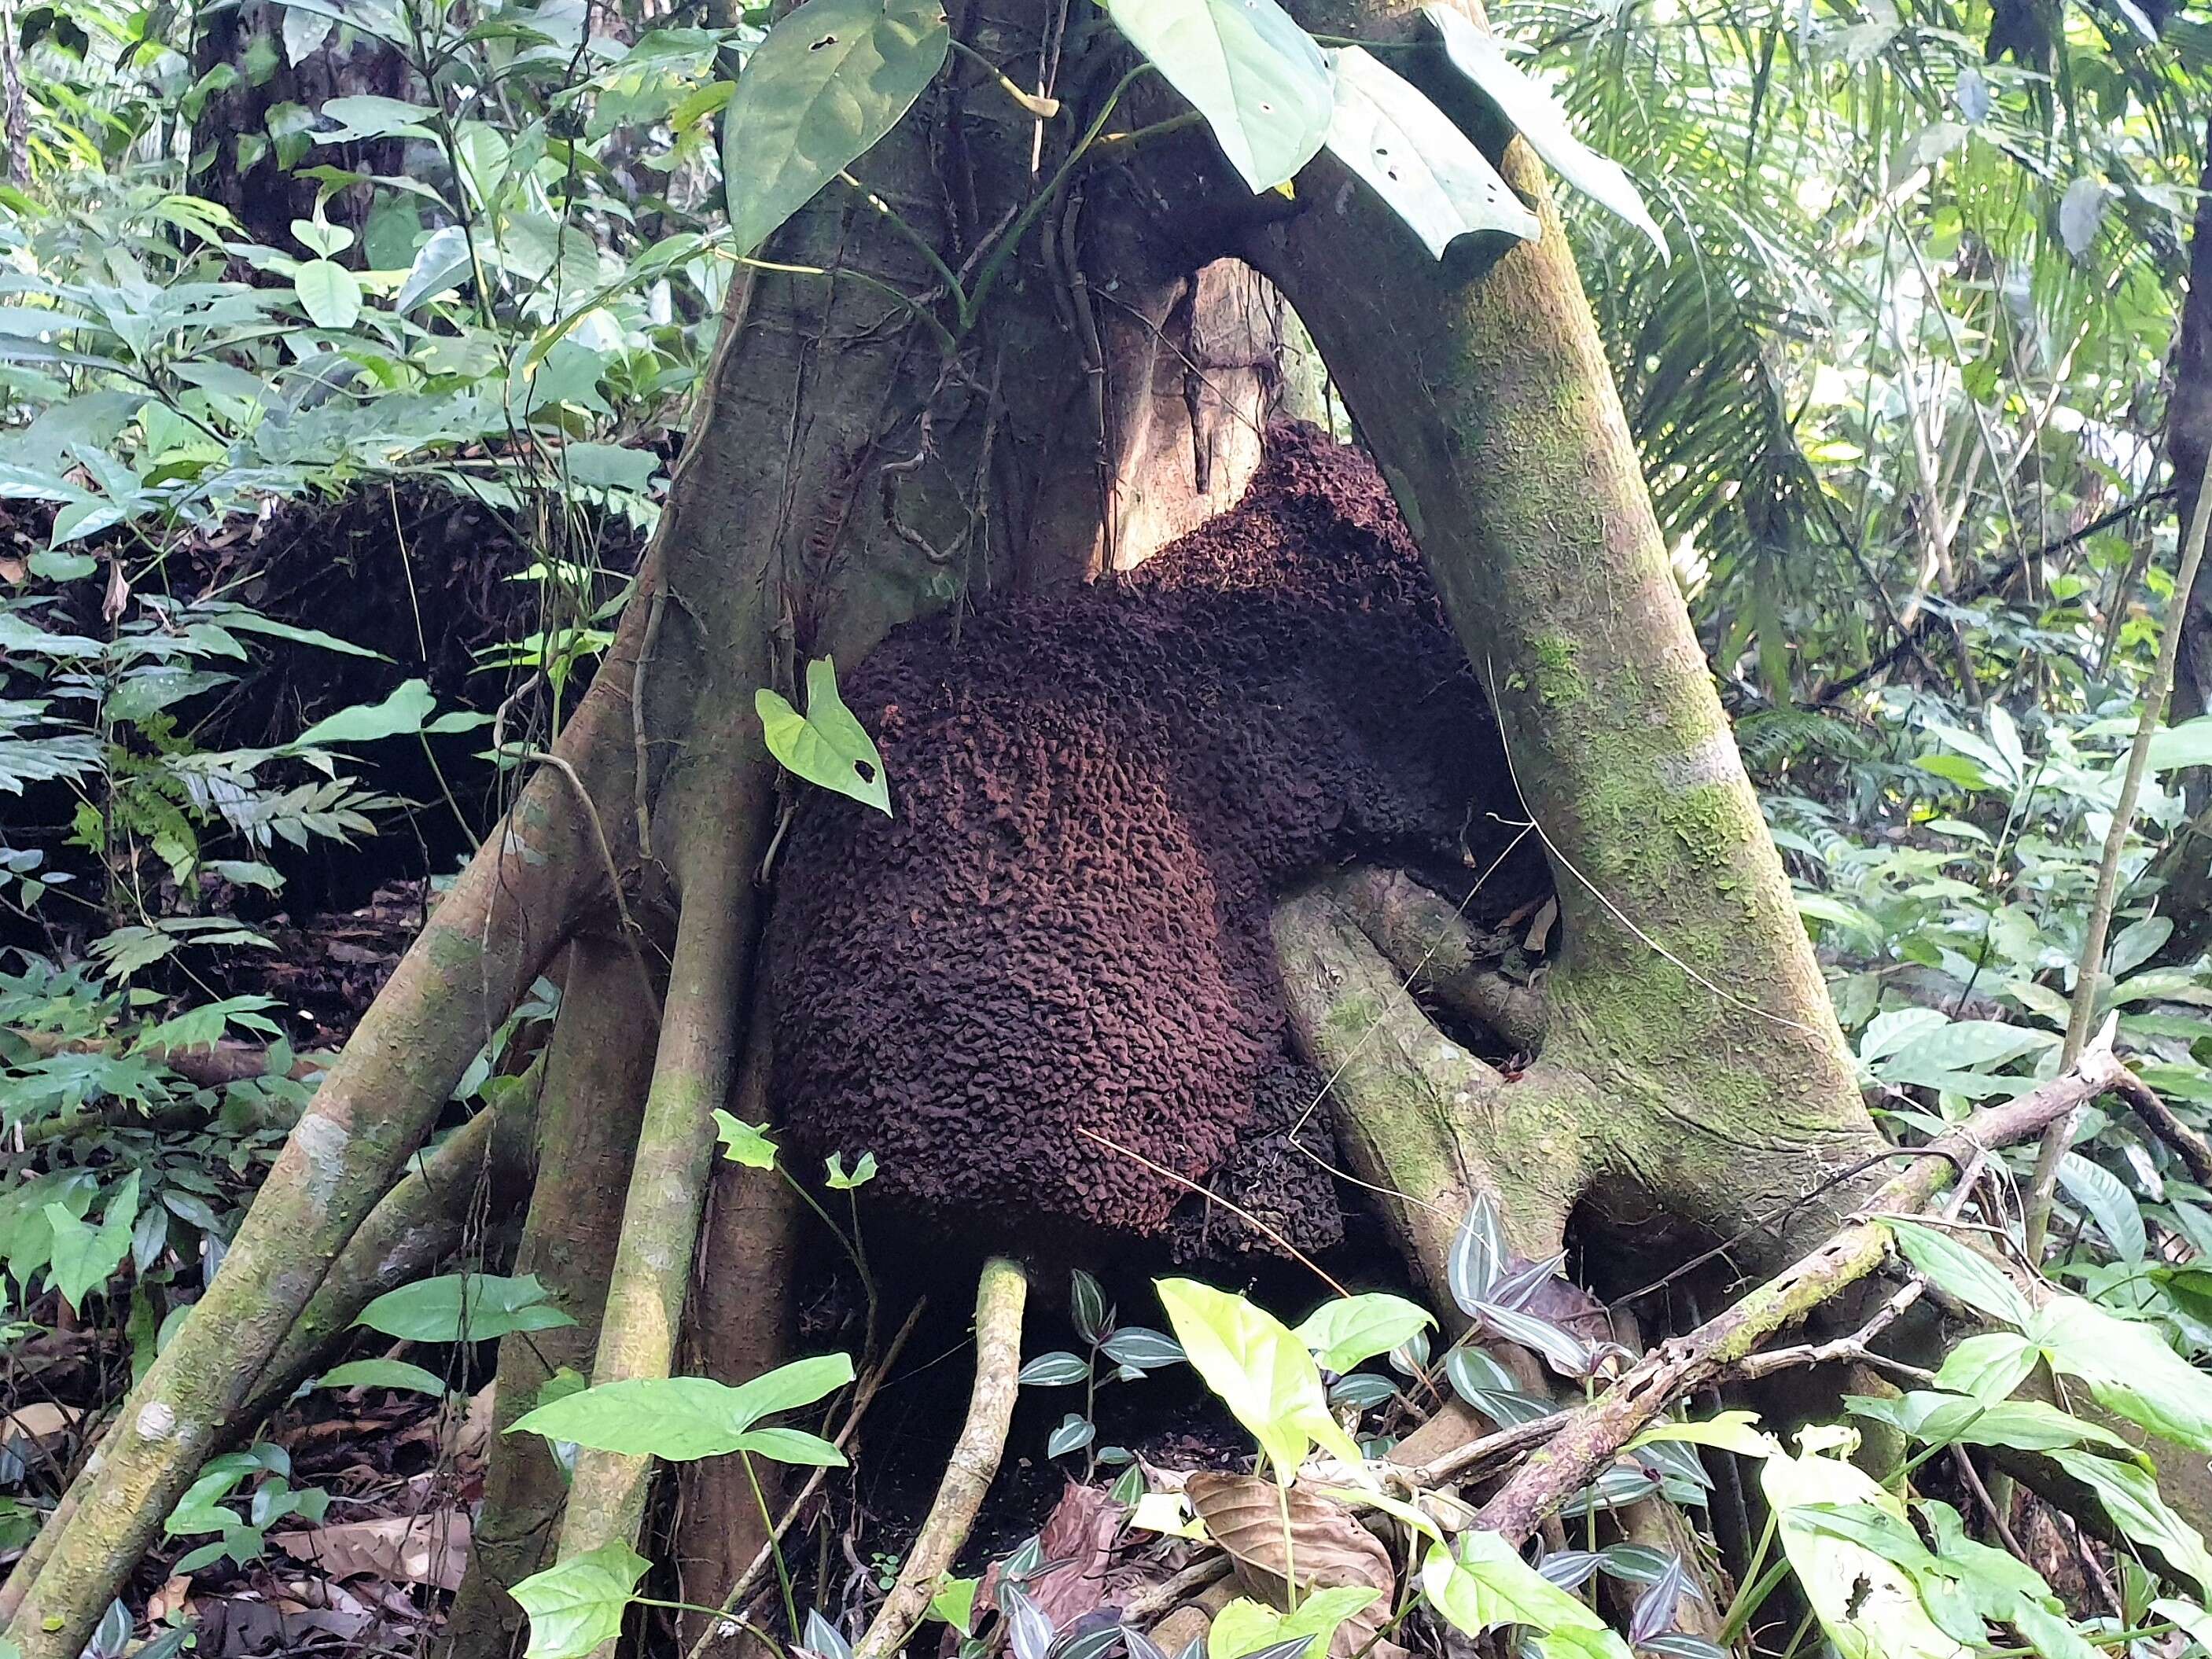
(775,1549)
(2088,976)
(1012,239)
(1757,1587)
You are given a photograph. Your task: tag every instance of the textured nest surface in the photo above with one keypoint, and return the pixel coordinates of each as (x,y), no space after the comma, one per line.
(1064,928)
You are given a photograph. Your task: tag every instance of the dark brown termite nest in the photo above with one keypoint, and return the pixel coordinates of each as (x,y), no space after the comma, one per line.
(1049,977)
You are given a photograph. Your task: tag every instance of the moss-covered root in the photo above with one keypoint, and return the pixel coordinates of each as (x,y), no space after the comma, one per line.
(418,1224)
(1685,990)
(596,1072)
(691,1076)
(488,937)
(1434,951)
(1000,1295)
(1423,1123)
(742,1322)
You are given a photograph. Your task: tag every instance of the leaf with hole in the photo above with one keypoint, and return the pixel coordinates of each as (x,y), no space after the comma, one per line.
(1257,77)
(829,80)
(1408,151)
(1536,115)
(826,745)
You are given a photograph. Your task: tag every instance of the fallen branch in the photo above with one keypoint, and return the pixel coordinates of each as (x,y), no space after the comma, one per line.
(1587,1443)
(999,1295)
(2193,1149)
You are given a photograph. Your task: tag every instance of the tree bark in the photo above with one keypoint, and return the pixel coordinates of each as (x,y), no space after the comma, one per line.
(596,1067)
(1689,1037)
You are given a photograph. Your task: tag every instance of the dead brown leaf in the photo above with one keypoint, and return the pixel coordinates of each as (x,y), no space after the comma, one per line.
(41,1419)
(1329,1549)
(1078,1537)
(431,1548)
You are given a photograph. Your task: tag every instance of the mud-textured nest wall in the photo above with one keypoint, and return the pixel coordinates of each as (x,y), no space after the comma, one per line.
(1066,927)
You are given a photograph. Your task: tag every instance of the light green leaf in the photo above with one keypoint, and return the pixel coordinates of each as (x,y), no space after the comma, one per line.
(1965,1045)
(1247,1626)
(1871,1607)
(2022,1425)
(382,1374)
(788,1388)
(242,621)
(955,1603)
(1408,151)
(367,116)
(329,292)
(679,1419)
(1257,77)
(682,1419)
(2129,1495)
(2189,744)
(463,1307)
(831,79)
(1536,115)
(1729,1431)
(83,1256)
(2129,1369)
(1963,1271)
(578,1606)
(1990,1365)
(401,714)
(440,264)
(1486,1584)
(826,745)
(1261,1371)
(744,1143)
(320,236)
(794,1446)
(1352,1328)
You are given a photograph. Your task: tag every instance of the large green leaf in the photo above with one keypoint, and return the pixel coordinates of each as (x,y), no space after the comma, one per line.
(1257,77)
(1407,151)
(463,1307)
(329,292)
(826,745)
(401,714)
(577,1605)
(2129,1495)
(82,1256)
(1485,1583)
(1536,115)
(1259,1367)
(2022,1425)
(1961,1271)
(2128,1367)
(831,79)
(682,1419)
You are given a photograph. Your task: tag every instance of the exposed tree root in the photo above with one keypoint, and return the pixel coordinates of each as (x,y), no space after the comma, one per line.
(596,1069)
(418,1224)
(999,1295)
(490,936)
(667,1192)
(740,1323)
(1593,1436)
